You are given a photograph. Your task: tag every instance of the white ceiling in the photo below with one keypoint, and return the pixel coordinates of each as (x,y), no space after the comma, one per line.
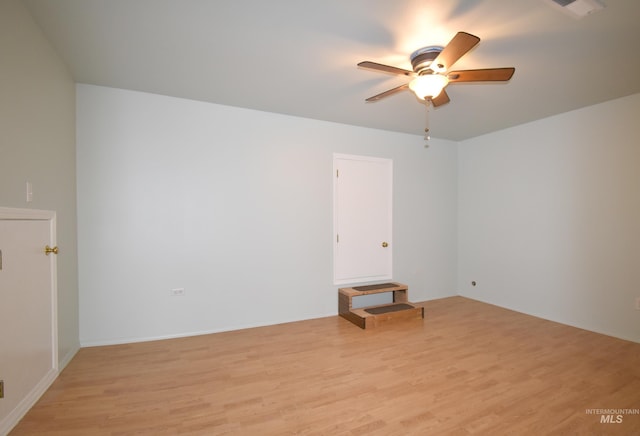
(299,57)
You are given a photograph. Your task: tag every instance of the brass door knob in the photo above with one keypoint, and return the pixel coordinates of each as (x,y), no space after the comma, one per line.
(385,245)
(48,250)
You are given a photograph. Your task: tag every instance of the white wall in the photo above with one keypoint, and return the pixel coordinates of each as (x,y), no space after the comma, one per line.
(549,218)
(234,206)
(37,144)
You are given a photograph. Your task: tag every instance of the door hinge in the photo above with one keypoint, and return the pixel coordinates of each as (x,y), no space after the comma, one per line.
(337,238)
(337,173)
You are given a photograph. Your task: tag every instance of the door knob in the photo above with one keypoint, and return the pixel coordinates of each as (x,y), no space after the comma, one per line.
(48,250)
(385,245)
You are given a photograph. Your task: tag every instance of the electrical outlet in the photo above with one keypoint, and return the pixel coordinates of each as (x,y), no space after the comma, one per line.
(177,292)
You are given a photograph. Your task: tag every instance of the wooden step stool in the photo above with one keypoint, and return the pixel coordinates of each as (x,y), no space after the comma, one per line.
(372,316)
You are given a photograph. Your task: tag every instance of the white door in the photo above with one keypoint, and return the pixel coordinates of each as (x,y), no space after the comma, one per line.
(28,342)
(362,210)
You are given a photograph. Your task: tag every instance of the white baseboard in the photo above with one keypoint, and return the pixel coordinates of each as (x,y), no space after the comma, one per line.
(67,358)
(132,340)
(27,402)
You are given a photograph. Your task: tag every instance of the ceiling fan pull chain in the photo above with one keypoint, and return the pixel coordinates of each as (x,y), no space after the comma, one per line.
(427,136)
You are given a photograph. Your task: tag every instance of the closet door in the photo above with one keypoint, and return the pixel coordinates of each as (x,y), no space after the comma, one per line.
(362,208)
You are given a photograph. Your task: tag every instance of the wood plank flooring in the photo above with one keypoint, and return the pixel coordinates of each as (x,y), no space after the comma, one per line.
(467,368)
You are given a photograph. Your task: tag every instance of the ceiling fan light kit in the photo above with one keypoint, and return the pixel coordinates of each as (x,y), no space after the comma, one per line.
(428,86)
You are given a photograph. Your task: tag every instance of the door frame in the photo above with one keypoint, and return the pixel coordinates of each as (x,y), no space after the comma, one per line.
(42,385)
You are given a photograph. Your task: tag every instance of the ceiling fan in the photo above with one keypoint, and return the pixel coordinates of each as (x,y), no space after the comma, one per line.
(431,70)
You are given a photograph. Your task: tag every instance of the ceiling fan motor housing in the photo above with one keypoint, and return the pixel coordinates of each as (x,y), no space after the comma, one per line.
(421,59)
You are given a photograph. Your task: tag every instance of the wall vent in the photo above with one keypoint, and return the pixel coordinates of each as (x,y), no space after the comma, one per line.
(579,8)
(563,3)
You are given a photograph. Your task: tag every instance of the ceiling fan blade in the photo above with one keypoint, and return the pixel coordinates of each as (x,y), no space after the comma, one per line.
(385,68)
(486,75)
(441,99)
(457,47)
(388,92)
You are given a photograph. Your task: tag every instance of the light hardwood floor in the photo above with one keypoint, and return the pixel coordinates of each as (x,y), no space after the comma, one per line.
(467,368)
